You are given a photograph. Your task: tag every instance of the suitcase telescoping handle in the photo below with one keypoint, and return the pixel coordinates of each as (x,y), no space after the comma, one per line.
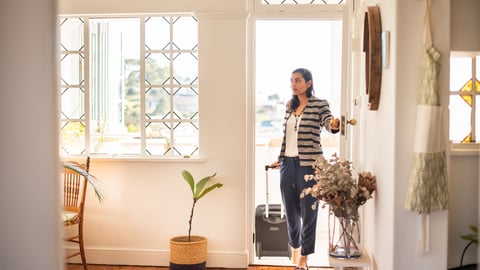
(267,211)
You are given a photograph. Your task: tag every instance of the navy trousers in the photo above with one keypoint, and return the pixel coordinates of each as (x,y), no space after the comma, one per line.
(301,218)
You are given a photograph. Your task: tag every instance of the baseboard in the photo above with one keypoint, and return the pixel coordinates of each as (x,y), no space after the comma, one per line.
(114,256)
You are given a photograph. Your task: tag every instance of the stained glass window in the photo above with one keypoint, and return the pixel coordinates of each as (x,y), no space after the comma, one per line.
(464,99)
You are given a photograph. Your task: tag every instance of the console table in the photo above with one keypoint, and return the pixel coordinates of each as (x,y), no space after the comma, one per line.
(339,264)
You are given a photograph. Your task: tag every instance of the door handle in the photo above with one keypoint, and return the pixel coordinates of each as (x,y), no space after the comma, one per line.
(344,122)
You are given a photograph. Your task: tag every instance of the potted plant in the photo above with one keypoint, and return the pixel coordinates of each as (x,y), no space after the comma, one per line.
(190,251)
(92,180)
(472,238)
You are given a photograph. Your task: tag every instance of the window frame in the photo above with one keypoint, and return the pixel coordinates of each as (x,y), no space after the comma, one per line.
(305,11)
(468,148)
(143,118)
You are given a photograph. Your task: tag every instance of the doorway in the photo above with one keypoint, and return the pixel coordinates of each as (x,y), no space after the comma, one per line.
(280,47)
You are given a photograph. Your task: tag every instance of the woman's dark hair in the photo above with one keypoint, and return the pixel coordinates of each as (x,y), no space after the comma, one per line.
(307,76)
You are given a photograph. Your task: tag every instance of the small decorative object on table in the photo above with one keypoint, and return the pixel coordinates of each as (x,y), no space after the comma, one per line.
(344,194)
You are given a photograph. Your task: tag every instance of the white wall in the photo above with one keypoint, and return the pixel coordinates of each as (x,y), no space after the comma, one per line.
(464,176)
(464,23)
(389,143)
(389,139)
(148,202)
(409,54)
(464,167)
(29,165)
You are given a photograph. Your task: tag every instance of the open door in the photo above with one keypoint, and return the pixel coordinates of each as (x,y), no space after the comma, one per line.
(282,45)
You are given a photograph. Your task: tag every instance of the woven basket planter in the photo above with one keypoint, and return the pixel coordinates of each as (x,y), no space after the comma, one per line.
(188,255)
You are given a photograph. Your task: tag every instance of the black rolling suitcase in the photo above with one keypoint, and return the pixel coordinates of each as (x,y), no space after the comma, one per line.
(271,238)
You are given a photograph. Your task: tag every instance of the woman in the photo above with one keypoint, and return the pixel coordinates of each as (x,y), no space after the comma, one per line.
(305,116)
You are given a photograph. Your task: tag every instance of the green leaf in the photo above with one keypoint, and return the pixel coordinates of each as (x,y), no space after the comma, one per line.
(472,237)
(207,190)
(189,178)
(90,178)
(201,185)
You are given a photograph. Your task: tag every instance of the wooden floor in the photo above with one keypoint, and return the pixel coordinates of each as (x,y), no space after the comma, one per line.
(121,267)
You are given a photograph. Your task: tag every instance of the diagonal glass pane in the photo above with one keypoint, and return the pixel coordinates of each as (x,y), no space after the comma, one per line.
(158,138)
(185,32)
(185,68)
(157,33)
(157,103)
(72,103)
(157,68)
(461,72)
(477,118)
(459,118)
(186,139)
(72,68)
(477,67)
(71,34)
(185,103)
(73,138)
(467,89)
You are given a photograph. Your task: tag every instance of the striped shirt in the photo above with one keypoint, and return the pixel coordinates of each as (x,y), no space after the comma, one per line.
(315,116)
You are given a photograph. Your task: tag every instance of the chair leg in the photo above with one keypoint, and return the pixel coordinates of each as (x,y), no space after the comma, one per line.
(81,246)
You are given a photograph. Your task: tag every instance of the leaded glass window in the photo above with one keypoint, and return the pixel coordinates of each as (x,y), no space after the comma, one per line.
(464,99)
(129,86)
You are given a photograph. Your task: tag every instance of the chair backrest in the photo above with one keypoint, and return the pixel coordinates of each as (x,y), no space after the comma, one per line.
(74,188)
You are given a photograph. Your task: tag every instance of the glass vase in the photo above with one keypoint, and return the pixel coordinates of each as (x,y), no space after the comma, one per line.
(344,233)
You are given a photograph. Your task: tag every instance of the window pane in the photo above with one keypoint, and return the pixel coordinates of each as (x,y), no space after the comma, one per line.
(115,86)
(158,138)
(157,103)
(72,90)
(477,60)
(157,68)
(73,105)
(73,138)
(157,33)
(459,118)
(185,69)
(477,118)
(185,33)
(171,90)
(71,69)
(186,103)
(71,34)
(460,72)
(186,139)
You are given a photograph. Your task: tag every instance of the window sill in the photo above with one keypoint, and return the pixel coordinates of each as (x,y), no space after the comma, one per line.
(119,158)
(464,149)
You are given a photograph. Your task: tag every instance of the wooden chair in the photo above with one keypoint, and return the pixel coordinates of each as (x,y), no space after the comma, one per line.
(74,193)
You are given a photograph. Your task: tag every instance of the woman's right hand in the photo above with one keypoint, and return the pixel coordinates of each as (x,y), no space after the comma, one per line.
(274,165)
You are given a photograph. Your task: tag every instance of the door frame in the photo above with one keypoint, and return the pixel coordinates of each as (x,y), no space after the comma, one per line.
(257,11)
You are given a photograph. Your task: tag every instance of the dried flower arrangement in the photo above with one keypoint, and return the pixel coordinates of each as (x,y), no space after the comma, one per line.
(336,187)
(344,194)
